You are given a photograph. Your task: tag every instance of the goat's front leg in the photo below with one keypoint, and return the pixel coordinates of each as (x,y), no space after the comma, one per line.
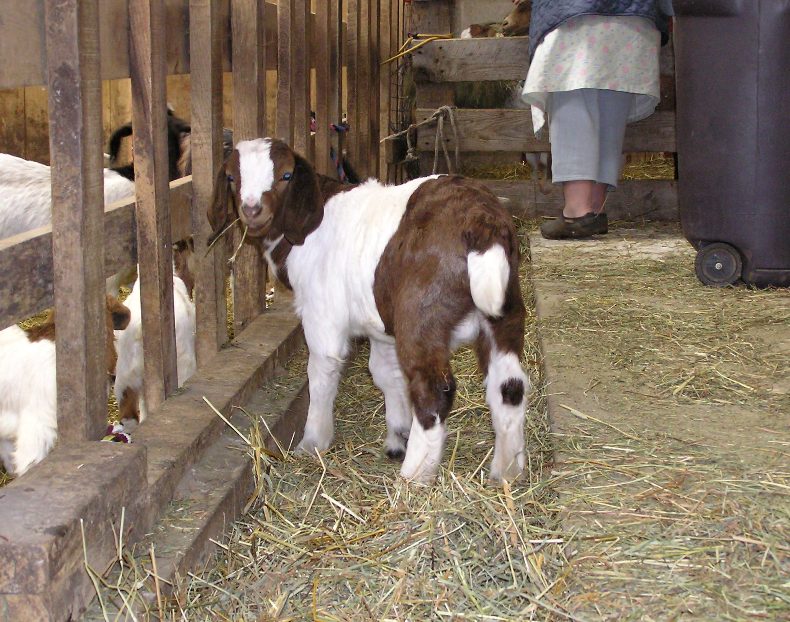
(323,374)
(387,375)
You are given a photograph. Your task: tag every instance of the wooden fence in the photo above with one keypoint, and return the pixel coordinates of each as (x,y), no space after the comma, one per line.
(72,47)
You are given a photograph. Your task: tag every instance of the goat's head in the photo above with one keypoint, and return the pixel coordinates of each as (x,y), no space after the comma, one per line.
(116,317)
(274,189)
(517,21)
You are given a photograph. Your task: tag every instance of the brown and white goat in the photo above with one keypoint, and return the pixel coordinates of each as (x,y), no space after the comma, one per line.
(28,414)
(419,268)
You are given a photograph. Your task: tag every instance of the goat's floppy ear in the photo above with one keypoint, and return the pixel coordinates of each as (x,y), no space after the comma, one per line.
(219,212)
(303,204)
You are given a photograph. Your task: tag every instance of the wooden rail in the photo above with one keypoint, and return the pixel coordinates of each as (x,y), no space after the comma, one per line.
(149,40)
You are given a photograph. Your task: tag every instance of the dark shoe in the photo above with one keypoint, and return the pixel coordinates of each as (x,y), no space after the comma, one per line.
(564,228)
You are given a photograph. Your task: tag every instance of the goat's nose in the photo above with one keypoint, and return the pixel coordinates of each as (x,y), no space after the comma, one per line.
(251,211)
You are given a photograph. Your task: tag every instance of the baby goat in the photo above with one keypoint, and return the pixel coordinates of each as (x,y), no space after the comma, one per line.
(418,268)
(129,371)
(28,408)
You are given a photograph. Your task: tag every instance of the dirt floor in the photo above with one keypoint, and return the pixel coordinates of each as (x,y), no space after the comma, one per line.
(658,485)
(671,420)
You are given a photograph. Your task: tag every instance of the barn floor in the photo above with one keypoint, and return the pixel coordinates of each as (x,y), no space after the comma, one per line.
(658,483)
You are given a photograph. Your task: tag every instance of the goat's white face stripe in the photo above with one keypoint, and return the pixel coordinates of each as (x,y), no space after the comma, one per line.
(256,168)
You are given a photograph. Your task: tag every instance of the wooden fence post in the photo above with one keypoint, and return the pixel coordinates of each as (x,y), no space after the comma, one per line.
(248,30)
(323,85)
(353,113)
(205,49)
(336,70)
(385,84)
(285,25)
(72,33)
(300,77)
(154,248)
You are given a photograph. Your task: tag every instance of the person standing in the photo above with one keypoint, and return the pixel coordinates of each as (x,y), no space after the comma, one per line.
(593,69)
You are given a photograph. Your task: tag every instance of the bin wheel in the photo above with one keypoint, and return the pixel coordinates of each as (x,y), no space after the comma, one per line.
(718,264)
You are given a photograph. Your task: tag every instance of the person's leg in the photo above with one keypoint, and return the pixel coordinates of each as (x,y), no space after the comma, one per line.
(574,130)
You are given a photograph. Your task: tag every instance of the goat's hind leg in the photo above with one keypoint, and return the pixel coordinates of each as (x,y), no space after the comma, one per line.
(507,388)
(432,389)
(387,375)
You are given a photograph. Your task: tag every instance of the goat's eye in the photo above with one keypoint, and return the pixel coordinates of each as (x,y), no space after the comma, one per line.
(287,176)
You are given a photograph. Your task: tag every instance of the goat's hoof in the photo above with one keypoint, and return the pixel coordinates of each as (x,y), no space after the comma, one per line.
(311,448)
(397,454)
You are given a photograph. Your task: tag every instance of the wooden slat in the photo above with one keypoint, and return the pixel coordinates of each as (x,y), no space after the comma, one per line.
(511,130)
(285,24)
(206,51)
(336,70)
(12,132)
(501,58)
(385,82)
(22,28)
(632,201)
(149,111)
(353,108)
(375,91)
(77,198)
(300,77)
(364,126)
(26,259)
(249,121)
(322,52)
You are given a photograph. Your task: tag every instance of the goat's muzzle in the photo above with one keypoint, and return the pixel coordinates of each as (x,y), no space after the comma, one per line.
(251,211)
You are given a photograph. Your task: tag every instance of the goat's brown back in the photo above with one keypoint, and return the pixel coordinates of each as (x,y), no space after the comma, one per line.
(425,261)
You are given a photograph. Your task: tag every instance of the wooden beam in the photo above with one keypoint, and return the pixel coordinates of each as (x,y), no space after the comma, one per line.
(322,52)
(249,121)
(26,259)
(335,92)
(352,58)
(385,83)
(77,182)
(633,201)
(501,58)
(155,264)
(284,119)
(364,94)
(206,53)
(300,77)
(511,130)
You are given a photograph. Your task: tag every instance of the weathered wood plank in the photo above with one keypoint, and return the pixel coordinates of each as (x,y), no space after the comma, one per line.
(501,58)
(353,108)
(322,53)
(385,82)
(300,77)
(335,92)
(155,263)
(632,201)
(12,132)
(206,52)
(26,259)
(285,25)
(22,28)
(249,121)
(374,88)
(511,130)
(77,202)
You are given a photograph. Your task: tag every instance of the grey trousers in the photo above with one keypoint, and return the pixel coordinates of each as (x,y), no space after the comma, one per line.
(586,129)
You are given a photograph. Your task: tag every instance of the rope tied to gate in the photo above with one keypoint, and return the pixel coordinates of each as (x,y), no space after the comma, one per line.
(439,115)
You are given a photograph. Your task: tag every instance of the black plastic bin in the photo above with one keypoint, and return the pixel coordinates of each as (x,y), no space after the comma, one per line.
(732,66)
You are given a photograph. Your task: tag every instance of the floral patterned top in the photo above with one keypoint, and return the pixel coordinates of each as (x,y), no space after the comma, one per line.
(596,52)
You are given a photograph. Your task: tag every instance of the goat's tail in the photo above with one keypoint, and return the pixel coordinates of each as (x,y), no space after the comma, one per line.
(489,273)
